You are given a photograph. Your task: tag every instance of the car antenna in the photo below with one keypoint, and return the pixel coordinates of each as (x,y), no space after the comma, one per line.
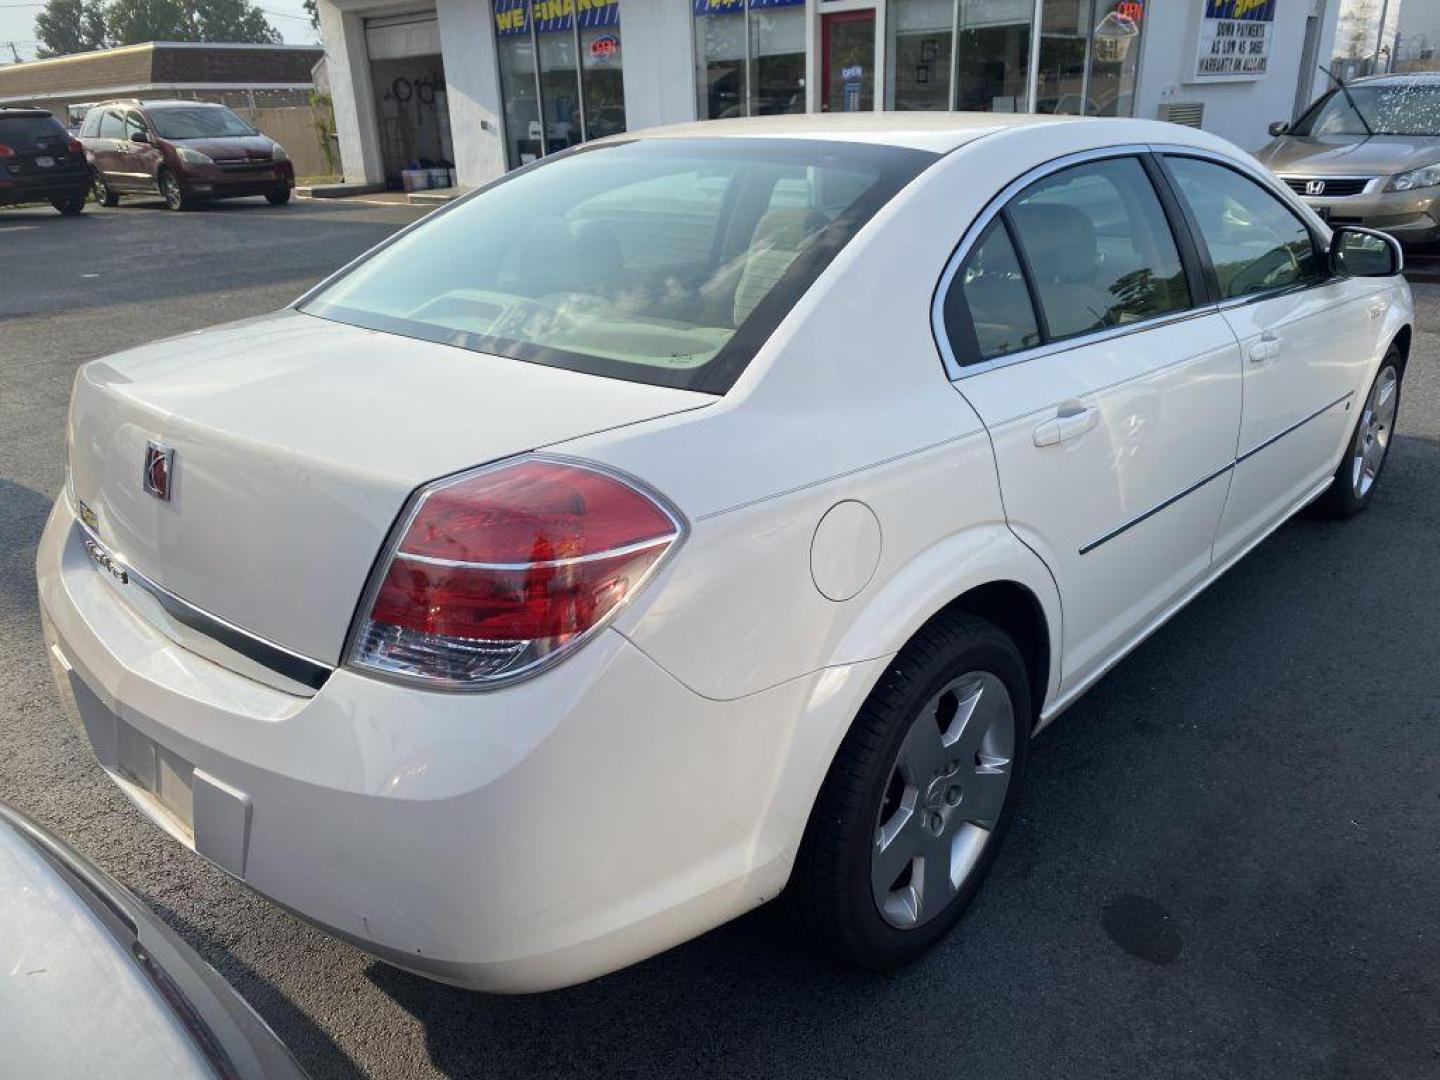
(1348,97)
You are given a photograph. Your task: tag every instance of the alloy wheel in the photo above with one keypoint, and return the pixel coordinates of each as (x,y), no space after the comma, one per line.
(170,187)
(1372,439)
(943,798)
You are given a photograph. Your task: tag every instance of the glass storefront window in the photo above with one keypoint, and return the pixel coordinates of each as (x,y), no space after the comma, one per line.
(559,82)
(777,36)
(561,74)
(720,49)
(917,73)
(1115,57)
(1064,43)
(993,46)
(604,83)
(749,57)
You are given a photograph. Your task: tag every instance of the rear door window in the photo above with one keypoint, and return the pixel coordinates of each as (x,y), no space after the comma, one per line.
(988,312)
(110,127)
(1256,242)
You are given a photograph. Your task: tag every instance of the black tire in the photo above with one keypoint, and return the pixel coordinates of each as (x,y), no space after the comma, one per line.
(69,206)
(1348,494)
(103,195)
(830,894)
(175,198)
(278,197)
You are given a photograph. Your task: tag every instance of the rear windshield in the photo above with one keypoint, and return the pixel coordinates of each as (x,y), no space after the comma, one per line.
(200,123)
(23,132)
(1402,109)
(665,261)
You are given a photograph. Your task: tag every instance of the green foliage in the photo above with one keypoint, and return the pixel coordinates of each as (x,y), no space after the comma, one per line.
(69,26)
(323,110)
(233,20)
(134,21)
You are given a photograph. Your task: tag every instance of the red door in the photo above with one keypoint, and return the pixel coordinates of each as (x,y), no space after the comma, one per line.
(847,61)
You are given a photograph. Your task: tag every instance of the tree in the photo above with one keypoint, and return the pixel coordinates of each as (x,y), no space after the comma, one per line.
(134,21)
(313,11)
(70,26)
(233,20)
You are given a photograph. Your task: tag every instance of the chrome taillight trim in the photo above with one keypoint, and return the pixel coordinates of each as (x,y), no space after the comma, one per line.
(576,560)
(672,541)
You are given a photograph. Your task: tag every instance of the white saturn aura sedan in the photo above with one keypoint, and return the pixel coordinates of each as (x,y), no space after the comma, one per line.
(699,515)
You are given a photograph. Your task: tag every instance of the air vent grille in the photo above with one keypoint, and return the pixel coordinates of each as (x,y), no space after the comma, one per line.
(1188,113)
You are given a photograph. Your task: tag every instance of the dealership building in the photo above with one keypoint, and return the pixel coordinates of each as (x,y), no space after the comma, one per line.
(487,85)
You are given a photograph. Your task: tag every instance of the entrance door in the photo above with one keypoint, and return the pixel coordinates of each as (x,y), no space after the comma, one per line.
(847,50)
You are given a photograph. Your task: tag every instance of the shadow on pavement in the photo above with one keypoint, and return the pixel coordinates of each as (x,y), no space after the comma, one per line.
(317,1052)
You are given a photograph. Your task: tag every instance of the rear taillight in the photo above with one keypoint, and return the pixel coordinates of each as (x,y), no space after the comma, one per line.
(76,146)
(501,571)
(5,151)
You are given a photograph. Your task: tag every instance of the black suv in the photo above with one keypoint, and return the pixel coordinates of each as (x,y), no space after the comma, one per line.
(41,162)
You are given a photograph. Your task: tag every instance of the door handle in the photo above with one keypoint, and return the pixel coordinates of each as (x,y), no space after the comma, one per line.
(1069,422)
(1267,348)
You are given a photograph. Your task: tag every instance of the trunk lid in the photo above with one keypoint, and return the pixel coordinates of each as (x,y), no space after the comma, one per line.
(296,443)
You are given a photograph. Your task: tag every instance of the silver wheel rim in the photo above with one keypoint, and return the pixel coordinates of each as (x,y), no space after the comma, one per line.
(1372,439)
(101,192)
(172,190)
(942,799)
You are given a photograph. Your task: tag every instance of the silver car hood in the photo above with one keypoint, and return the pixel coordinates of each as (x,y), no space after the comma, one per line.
(1349,155)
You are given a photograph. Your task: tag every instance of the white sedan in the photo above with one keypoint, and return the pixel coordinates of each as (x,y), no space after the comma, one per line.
(699,515)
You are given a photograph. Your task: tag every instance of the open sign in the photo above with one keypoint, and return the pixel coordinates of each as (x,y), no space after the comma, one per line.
(605,47)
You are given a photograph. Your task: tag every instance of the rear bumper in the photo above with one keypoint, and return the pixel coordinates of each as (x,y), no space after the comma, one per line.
(512,841)
(19,189)
(1409,216)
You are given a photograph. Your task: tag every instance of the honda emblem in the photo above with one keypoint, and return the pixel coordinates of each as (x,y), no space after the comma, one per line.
(1314,187)
(159,466)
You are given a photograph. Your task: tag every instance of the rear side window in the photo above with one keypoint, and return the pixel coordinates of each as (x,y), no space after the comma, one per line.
(110,126)
(26,131)
(1256,242)
(91,126)
(990,300)
(1099,248)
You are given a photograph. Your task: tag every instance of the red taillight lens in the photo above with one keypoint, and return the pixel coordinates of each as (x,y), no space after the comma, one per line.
(499,571)
(76,146)
(5,151)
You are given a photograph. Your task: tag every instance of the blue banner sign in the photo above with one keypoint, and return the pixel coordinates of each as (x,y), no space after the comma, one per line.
(734,7)
(1253,10)
(513,16)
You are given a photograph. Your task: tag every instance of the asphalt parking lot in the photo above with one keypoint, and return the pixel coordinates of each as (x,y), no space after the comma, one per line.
(1226,864)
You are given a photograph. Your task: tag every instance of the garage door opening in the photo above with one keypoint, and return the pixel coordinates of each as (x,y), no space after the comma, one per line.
(408,75)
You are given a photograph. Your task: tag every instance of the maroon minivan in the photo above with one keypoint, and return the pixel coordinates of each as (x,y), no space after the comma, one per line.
(185,151)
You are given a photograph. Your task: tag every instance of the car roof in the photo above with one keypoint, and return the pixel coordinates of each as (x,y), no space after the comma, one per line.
(6,114)
(157,103)
(937,132)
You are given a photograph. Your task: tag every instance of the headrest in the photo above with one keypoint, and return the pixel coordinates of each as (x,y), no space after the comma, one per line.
(1059,240)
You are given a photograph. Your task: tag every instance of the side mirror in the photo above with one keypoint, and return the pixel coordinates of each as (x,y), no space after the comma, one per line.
(1357,252)
(141,136)
(1278,128)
